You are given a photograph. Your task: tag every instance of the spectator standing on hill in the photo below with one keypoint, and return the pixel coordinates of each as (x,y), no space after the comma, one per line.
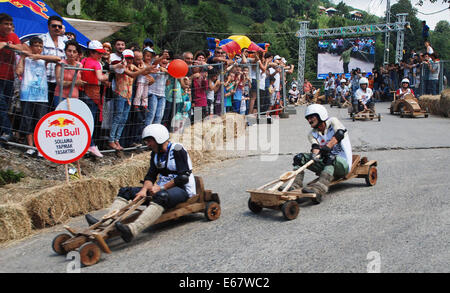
(33,91)
(425,31)
(8,40)
(428,48)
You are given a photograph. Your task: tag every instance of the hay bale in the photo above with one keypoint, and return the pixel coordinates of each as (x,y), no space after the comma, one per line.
(431,103)
(56,205)
(444,103)
(14,222)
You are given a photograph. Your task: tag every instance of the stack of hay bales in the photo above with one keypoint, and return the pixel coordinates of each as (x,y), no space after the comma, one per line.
(430,103)
(445,103)
(437,105)
(57,204)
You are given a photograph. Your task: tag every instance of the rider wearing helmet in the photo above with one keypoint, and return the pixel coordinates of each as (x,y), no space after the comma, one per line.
(329,138)
(342,91)
(175,185)
(364,96)
(404,89)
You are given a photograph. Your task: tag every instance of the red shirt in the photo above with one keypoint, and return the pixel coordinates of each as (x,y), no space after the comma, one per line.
(8,57)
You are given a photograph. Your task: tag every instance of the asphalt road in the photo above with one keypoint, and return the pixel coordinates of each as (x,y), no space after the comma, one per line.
(404,220)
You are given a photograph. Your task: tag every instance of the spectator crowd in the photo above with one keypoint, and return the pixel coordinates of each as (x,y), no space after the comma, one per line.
(126,86)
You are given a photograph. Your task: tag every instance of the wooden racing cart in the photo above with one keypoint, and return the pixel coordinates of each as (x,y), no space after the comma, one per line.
(408,106)
(268,196)
(366,115)
(91,242)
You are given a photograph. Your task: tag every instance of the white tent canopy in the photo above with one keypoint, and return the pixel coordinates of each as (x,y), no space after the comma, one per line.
(96,30)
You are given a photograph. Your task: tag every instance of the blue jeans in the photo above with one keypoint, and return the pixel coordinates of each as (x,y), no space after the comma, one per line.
(95,113)
(6,92)
(121,110)
(156,105)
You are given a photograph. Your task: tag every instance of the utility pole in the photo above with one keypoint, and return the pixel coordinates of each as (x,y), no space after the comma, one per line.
(387,37)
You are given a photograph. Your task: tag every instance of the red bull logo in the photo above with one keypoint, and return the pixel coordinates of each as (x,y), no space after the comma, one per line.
(37,7)
(61,122)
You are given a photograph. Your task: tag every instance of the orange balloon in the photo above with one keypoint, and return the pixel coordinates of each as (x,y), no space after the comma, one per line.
(178,68)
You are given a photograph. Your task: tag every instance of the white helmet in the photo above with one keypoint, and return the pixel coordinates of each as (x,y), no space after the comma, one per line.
(343,81)
(157,131)
(405,80)
(363,80)
(317,109)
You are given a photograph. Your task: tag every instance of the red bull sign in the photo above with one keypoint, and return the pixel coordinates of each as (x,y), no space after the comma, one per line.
(37,7)
(62,137)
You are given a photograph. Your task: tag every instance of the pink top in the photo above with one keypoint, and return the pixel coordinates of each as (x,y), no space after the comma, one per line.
(68,76)
(200,86)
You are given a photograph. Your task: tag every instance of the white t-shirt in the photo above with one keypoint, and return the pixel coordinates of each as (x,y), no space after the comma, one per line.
(277,79)
(34,86)
(342,149)
(364,96)
(262,80)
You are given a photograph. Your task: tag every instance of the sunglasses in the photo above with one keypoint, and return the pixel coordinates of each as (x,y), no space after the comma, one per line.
(57,26)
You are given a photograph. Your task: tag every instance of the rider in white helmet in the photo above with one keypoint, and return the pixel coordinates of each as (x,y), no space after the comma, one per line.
(330,139)
(364,96)
(404,89)
(342,91)
(175,184)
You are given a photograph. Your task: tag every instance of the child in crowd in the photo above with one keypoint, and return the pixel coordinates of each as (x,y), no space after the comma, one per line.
(34,89)
(230,89)
(143,81)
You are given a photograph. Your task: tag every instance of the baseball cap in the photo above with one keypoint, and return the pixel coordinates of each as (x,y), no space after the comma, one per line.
(128,54)
(283,60)
(148,41)
(97,46)
(114,59)
(277,57)
(148,49)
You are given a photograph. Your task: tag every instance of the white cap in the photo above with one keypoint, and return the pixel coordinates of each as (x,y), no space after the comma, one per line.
(97,46)
(148,49)
(283,60)
(114,58)
(343,80)
(405,80)
(277,57)
(128,53)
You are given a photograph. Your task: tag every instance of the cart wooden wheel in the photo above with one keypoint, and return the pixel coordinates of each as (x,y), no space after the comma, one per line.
(290,209)
(254,207)
(212,211)
(58,241)
(372,176)
(90,254)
